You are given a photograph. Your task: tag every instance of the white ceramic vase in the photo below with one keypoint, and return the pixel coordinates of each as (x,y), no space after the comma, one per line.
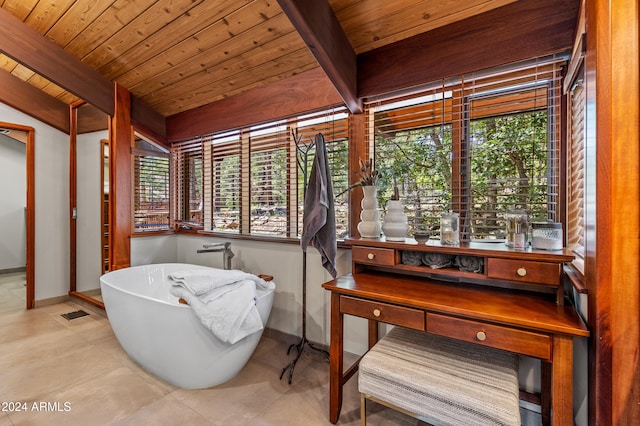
(369,226)
(395,222)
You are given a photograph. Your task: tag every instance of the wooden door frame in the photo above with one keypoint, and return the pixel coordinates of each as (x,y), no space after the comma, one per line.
(30,209)
(73,202)
(612,202)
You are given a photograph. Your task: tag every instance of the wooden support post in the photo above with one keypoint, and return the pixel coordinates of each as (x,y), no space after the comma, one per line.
(120,193)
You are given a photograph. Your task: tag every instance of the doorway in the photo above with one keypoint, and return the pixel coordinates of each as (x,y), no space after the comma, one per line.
(20,140)
(89,128)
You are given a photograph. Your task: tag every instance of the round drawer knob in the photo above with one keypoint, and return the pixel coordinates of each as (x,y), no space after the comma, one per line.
(521,272)
(481,335)
(376,312)
(371,256)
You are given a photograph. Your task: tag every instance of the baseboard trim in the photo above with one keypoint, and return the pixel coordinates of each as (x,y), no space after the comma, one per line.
(51,301)
(13,270)
(90,305)
(282,337)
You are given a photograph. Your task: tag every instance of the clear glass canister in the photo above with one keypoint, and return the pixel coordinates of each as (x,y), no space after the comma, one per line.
(450,229)
(546,235)
(517,228)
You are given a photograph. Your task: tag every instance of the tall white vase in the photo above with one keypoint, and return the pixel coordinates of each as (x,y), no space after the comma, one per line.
(369,226)
(395,222)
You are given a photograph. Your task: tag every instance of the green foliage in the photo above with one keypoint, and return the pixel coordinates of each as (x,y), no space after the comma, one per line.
(420,161)
(506,160)
(508,168)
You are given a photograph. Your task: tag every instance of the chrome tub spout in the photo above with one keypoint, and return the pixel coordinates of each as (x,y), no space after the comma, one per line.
(224,248)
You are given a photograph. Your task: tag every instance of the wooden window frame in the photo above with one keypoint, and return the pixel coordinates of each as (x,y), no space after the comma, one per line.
(454,111)
(138,155)
(575,173)
(305,126)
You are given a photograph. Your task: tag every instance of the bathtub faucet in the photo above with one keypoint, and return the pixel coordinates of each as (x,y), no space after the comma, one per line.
(225,248)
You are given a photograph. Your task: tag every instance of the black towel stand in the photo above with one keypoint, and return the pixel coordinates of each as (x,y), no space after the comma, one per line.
(302,157)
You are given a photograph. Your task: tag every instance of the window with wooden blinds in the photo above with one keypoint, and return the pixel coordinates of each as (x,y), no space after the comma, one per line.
(252,179)
(575,167)
(479,144)
(222,182)
(151,190)
(333,124)
(269,160)
(187,170)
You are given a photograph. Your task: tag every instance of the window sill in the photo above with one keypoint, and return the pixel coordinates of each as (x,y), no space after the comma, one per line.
(576,278)
(140,234)
(263,238)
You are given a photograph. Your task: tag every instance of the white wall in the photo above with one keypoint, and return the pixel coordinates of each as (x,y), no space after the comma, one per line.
(89,203)
(581,366)
(52,204)
(13,191)
(284,262)
(154,249)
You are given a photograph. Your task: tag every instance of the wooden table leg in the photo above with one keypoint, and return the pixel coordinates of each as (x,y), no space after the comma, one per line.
(545,394)
(562,381)
(373,333)
(336,354)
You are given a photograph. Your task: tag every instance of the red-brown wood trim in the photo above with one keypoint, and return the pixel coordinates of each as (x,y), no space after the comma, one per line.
(520,30)
(321,31)
(31,216)
(600,382)
(87,299)
(30,209)
(357,150)
(90,119)
(532,398)
(148,121)
(336,360)
(623,234)
(104,215)
(30,48)
(612,203)
(73,193)
(459,177)
(33,102)
(120,172)
(307,91)
(575,278)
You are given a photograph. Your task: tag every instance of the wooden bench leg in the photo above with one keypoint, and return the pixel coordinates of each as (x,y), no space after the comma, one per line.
(363,410)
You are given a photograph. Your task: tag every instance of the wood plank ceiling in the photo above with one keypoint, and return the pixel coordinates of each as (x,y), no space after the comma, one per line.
(177,55)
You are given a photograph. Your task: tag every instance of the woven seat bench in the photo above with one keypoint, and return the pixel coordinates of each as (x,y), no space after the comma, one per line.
(440,380)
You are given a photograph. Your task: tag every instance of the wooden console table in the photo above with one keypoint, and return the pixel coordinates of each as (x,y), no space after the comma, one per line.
(523,322)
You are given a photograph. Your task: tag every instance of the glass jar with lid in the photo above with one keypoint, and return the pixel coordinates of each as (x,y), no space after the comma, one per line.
(546,235)
(517,228)
(450,229)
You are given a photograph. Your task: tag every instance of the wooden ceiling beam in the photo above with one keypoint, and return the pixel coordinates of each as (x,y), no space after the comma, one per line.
(321,31)
(521,30)
(28,47)
(307,91)
(31,49)
(33,102)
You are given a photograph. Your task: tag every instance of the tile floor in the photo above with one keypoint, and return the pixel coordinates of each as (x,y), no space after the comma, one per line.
(79,368)
(12,291)
(76,374)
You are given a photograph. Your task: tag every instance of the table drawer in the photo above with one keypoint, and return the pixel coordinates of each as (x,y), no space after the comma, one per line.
(383,312)
(524,271)
(373,256)
(510,339)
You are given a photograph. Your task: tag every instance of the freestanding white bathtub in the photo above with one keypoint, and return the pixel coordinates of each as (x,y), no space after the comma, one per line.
(164,336)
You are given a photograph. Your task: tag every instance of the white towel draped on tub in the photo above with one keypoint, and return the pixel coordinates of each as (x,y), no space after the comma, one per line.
(223,300)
